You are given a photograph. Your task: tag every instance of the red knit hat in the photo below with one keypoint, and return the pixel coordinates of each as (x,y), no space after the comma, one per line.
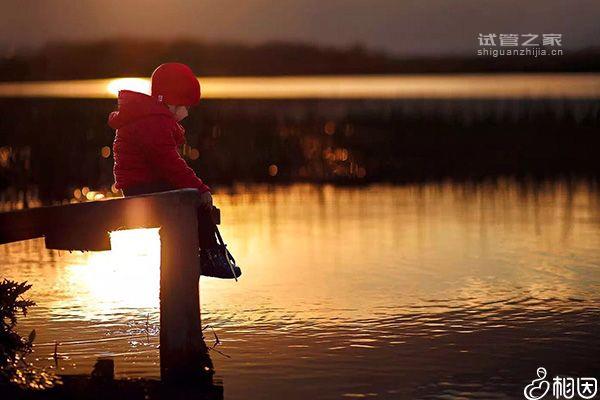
(175,84)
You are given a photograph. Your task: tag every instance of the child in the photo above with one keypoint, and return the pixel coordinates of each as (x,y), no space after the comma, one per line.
(145,146)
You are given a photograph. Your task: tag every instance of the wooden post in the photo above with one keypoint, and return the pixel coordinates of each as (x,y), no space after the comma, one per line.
(183,353)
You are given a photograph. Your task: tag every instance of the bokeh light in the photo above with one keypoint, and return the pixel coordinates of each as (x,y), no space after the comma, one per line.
(273,170)
(194,154)
(105,152)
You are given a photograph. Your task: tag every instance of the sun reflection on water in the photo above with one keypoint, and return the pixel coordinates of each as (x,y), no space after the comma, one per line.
(395,275)
(127,277)
(321,246)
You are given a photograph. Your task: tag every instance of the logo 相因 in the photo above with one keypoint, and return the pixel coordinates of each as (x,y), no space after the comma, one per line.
(561,387)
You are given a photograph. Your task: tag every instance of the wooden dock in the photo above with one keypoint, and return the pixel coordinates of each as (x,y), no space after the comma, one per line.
(86,226)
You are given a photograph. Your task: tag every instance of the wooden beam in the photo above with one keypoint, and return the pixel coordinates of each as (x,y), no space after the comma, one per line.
(84,226)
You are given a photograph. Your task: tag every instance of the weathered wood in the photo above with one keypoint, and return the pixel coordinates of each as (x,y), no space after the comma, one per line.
(85,226)
(181,344)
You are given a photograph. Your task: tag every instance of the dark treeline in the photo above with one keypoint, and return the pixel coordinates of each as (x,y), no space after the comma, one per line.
(138,57)
(54,146)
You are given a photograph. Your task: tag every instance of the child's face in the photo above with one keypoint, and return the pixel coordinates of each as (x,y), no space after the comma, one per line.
(180,112)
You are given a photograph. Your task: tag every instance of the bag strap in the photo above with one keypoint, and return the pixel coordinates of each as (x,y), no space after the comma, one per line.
(219,238)
(228,257)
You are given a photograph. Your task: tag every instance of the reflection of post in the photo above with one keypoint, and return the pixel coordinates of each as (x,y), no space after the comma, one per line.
(182,349)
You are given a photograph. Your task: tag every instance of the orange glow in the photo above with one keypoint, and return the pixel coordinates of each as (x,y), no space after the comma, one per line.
(141,85)
(326,255)
(105,151)
(105,282)
(505,85)
(273,169)
(194,154)
(293,242)
(341,154)
(329,128)
(5,156)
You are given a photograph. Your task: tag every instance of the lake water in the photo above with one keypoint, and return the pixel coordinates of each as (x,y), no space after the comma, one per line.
(444,291)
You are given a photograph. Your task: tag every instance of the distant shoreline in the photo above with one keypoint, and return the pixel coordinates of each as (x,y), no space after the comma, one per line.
(136,57)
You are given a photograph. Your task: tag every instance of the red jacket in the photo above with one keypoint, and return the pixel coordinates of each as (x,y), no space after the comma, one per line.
(145,145)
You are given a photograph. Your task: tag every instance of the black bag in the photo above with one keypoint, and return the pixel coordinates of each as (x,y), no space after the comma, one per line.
(218,261)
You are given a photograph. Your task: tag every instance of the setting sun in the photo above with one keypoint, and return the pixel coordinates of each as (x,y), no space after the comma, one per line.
(136,84)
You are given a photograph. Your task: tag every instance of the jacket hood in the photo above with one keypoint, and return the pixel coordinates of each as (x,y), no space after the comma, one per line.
(133,106)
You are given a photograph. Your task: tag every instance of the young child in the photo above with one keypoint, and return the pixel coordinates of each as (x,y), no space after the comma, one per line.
(148,134)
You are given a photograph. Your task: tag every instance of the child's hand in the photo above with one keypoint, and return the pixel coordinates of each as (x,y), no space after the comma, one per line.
(206,200)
